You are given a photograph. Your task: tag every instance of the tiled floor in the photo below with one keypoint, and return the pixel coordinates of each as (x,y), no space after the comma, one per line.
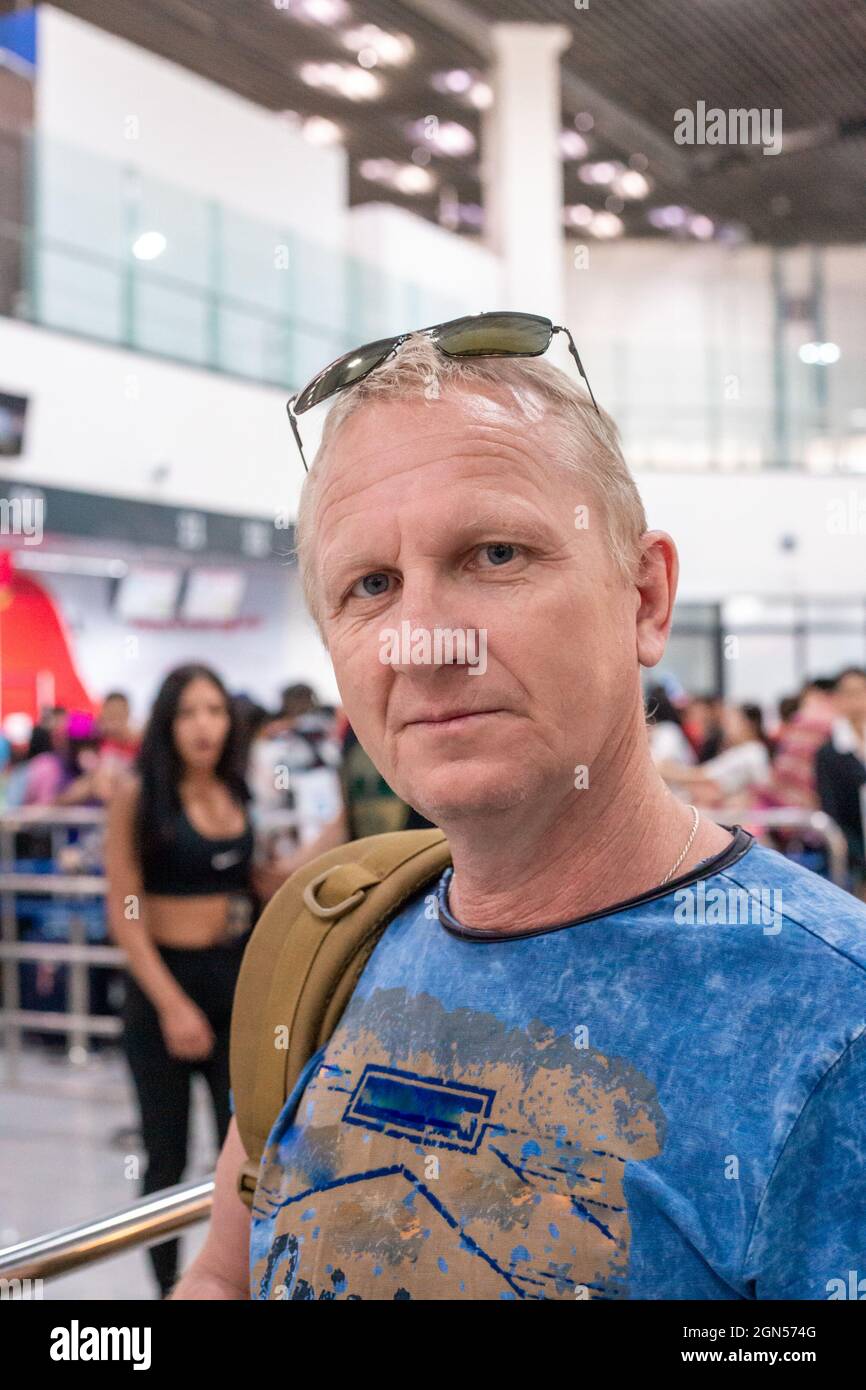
(61,1163)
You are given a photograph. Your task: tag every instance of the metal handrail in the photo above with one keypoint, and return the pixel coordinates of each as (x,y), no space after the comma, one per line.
(147,1222)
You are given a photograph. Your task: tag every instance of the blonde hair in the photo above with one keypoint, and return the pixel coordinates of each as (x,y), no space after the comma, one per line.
(589,438)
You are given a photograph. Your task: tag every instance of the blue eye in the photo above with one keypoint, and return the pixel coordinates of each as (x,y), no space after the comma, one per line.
(373,585)
(495,555)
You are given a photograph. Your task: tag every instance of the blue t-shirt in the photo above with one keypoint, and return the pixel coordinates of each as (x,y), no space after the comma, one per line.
(665,1101)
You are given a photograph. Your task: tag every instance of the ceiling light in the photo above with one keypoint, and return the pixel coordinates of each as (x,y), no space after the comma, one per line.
(578,215)
(391,49)
(404,178)
(702,227)
(148,246)
(639,162)
(667,218)
(410,178)
(572,145)
(455,80)
(631,184)
(346,80)
(605,171)
(320,11)
(583,121)
(481,95)
(377,170)
(447,138)
(606,225)
(820,354)
(318,130)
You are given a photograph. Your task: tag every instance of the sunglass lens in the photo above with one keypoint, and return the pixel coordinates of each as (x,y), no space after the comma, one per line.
(495,335)
(349,368)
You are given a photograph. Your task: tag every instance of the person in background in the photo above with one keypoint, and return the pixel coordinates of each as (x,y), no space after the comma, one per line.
(668,742)
(369,807)
(44,733)
(840,769)
(792,780)
(788,706)
(296,700)
(179,852)
(733,774)
(118,740)
(252,718)
(702,725)
(109,751)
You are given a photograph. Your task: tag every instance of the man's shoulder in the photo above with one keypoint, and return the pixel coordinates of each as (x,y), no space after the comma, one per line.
(823,918)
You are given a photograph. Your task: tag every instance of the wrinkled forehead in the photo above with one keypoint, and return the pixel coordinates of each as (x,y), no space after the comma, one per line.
(385,436)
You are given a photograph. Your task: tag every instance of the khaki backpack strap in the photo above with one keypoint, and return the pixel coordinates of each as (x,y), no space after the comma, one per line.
(303,961)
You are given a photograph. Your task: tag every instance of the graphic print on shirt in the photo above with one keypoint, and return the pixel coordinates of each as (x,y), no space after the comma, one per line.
(443,1155)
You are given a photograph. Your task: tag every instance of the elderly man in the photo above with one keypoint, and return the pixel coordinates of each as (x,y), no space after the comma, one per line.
(645,1032)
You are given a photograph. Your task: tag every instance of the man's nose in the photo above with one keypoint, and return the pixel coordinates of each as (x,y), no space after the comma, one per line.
(422,629)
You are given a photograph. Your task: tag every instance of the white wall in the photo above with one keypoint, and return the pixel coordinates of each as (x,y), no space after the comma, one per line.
(729,530)
(92,85)
(445,267)
(678,342)
(102,420)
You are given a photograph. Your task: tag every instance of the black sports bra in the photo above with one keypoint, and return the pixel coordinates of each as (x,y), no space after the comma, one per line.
(192,864)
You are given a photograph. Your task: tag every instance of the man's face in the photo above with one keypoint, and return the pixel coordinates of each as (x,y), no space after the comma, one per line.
(114,718)
(850,697)
(441,515)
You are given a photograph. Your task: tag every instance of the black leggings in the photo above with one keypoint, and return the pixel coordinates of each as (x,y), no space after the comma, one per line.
(162,1082)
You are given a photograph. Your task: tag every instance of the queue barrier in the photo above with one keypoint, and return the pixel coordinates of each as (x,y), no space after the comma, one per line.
(78,893)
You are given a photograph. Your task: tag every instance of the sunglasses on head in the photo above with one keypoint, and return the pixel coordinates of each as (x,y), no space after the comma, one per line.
(476,335)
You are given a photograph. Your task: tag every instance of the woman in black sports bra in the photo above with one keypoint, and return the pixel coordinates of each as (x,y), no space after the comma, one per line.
(179,855)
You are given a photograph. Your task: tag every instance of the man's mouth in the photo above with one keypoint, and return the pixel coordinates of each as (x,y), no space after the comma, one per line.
(451,720)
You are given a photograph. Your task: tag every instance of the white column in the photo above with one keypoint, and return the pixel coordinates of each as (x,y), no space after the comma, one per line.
(522,166)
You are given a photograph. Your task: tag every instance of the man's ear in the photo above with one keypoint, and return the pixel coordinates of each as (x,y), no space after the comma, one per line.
(656,586)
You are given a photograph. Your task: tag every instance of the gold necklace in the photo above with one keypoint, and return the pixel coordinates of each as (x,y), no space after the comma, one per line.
(689,842)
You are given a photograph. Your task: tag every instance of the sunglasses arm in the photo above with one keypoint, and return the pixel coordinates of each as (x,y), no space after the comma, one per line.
(296,432)
(572,347)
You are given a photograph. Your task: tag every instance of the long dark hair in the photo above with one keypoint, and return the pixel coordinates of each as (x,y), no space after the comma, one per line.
(160,766)
(660,707)
(755,716)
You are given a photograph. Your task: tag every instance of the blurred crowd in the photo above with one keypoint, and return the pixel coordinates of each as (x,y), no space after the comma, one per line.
(723,757)
(312,786)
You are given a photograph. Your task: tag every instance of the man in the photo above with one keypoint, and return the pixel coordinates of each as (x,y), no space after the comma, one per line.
(620,1051)
(793,777)
(841,769)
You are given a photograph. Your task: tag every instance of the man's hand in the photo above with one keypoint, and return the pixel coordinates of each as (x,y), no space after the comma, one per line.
(221,1271)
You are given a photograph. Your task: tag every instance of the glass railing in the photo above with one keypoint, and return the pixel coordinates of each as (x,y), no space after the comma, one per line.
(223,291)
(108,252)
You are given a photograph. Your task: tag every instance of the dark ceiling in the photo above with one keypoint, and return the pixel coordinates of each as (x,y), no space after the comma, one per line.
(631,65)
